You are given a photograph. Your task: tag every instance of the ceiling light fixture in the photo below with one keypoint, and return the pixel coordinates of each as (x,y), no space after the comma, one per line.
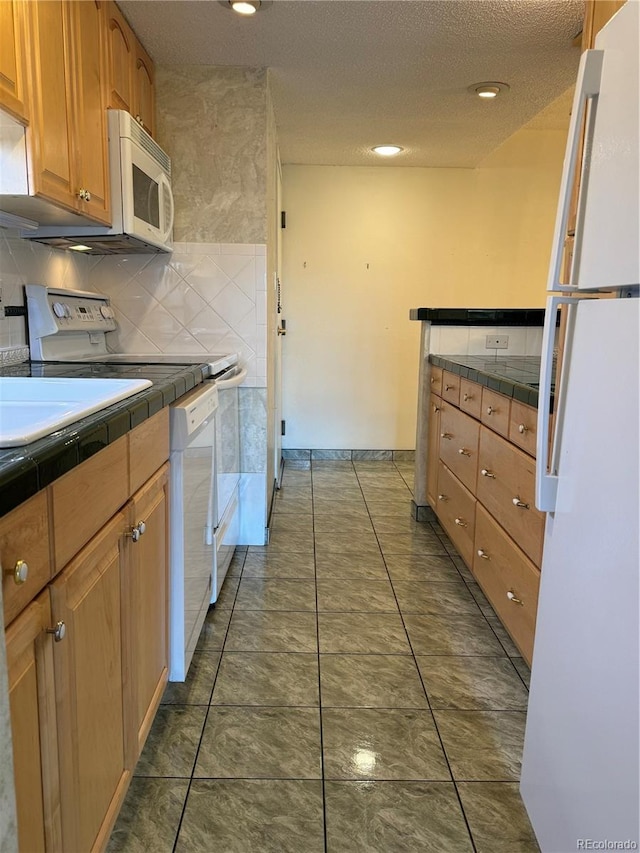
(80,248)
(387,150)
(245,7)
(488,90)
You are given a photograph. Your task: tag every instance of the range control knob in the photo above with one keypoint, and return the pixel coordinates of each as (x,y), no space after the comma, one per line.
(59,309)
(106,312)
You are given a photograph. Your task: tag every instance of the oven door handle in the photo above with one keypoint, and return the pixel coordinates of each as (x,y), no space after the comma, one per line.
(235,380)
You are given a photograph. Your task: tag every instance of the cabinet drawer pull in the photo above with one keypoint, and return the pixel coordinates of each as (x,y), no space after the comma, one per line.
(483,554)
(512,598)
(490,410)
(446,435)
(59,630)
(19,572)
(517,502)
(489,474)
(443,498)
(433,379)
(136,532)
(461,522)
(436,408)
(522,429)
(467,397)
(464,452)
(449,387)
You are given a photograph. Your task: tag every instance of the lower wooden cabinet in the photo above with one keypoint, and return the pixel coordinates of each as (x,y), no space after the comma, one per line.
(32,703)
(456,510)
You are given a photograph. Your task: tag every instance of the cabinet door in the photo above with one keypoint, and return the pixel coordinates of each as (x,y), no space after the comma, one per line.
(120,59)
(13,94)
(50,146)
(145,608)
(89,691)
(433,448)
(90,108)
(144,105)
(33,727)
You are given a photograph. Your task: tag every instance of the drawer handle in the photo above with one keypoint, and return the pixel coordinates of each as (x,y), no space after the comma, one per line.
(483,554)
(461,522)
(443,498)
(449,387)
(464,452)
(446,435)
(59,630)
(467,397)
(522,429)
(489,474)
(521,504)
(137,531)
(512,598)
(490,410)
(436,408)
(19,572)
(433,379)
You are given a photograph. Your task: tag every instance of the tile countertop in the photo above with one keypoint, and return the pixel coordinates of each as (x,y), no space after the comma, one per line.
(515,376)
(27,469)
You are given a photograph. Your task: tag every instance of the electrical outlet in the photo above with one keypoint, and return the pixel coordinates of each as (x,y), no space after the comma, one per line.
(497,342)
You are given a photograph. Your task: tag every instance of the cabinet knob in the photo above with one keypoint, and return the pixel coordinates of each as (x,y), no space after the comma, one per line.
(449,387)
(490,410)
(19,572)
(512,598)
(522,429)
(461,522)
(489,474)
(436,408)
(59,630)
(517,502)
(443,498)
(87,195)
(467,397)
(483,554)
(446,435)
(84,195)
(137,531)
(464,452)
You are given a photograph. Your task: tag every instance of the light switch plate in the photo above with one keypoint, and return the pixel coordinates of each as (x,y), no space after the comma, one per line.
(497,342)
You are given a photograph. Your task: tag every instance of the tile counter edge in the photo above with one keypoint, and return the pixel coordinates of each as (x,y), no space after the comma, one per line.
(26,470)
(520,392)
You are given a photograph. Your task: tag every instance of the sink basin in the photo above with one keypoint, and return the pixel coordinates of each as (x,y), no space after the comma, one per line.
(32,407)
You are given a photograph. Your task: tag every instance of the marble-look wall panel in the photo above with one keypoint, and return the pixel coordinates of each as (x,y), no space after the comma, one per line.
(8,829)
(212,121)
(27,262)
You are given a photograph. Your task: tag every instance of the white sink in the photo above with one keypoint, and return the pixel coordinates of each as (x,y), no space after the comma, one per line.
(32,407)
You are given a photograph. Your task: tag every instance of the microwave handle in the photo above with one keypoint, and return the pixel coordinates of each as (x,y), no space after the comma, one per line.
(167,188)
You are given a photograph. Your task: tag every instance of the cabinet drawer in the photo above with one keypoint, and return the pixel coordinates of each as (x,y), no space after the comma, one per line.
(86,497)
(148,449)
(495,411)
(456,510)
(509,580)
(523,426)
(24,539)
(459,436)
(435,382)
(506,487)
(470,397)
(451,387)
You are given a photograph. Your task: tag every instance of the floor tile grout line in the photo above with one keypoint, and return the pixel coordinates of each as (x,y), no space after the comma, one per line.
(315,569)
(206,716)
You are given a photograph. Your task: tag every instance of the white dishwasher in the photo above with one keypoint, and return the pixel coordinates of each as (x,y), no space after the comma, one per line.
(192,499)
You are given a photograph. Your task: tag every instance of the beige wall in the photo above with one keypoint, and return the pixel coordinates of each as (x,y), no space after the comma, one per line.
(364,245)
(212,121)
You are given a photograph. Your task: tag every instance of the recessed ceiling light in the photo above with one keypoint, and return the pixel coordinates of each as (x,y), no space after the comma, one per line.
(488,90)
(245,7)
(387,150)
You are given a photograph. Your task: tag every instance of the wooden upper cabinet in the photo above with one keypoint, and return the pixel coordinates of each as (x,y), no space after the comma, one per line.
(13,53)
(67,137)
(144,106)
(130,70)
(120,59)
(91,107)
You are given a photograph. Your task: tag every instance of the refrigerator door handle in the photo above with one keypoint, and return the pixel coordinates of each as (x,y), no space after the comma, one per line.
(587,87)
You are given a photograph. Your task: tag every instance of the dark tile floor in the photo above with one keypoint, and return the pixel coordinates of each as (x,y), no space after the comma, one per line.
(352,691)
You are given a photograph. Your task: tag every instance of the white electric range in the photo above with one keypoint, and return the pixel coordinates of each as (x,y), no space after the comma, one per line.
(72,326)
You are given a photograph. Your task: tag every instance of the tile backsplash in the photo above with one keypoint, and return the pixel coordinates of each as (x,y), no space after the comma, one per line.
(471,340)
(203,298)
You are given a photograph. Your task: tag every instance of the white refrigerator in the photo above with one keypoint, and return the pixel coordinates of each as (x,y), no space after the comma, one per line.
(581,770)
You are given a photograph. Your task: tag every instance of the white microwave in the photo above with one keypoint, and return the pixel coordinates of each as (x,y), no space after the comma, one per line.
(141,198)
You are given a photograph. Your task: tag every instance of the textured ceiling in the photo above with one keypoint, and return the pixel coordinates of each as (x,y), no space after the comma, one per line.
(349,74)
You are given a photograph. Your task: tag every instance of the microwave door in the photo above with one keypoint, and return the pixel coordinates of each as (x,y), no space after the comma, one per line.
(144,184)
